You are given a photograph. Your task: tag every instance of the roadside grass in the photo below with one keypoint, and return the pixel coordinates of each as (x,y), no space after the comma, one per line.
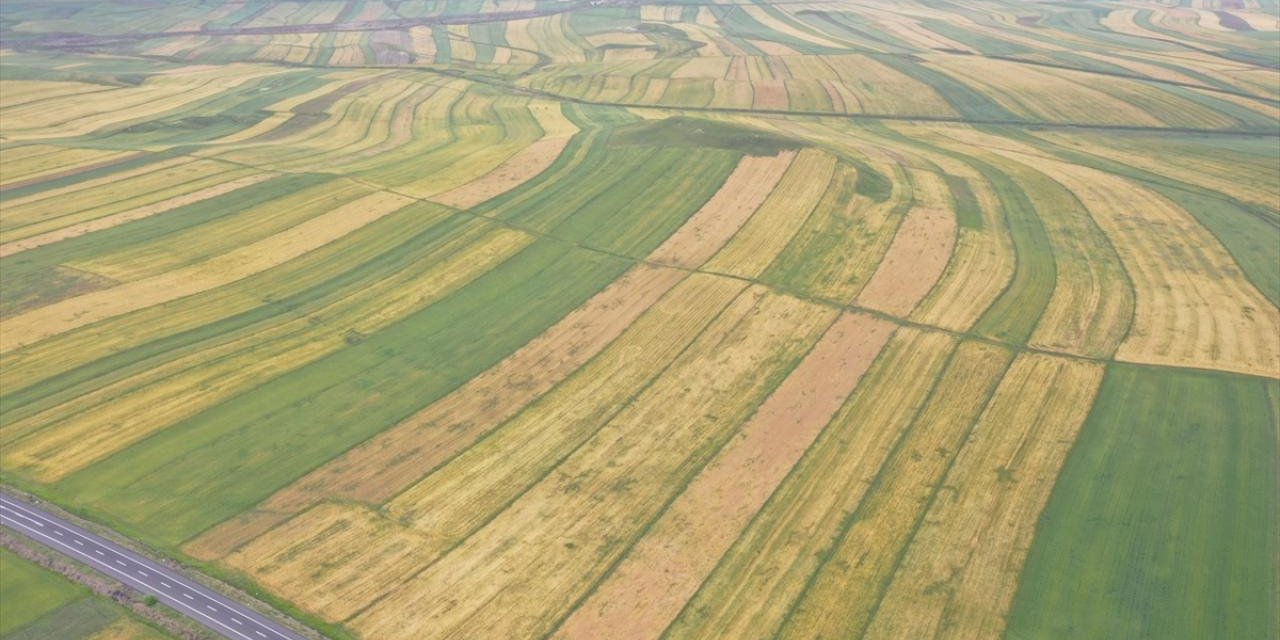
(42,605)
(30,592)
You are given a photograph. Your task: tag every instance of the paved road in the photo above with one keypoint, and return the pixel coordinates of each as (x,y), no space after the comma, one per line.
(210,608)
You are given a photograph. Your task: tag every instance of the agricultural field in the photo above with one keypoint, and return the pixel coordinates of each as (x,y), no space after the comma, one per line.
(626,319)
(39,603)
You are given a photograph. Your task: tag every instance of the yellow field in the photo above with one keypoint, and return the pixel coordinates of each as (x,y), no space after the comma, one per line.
(505,319)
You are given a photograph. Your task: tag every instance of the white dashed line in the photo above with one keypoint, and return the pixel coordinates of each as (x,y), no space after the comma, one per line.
(14,517)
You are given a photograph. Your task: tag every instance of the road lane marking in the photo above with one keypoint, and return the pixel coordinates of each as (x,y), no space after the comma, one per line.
(187,596)
(130,579)
(236,620)
(211,608)
(57,533)
(142,573)
(166,584)
(23,516)
(78,543)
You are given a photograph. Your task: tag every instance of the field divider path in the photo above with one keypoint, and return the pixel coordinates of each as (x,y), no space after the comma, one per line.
(846,306)
(210,609)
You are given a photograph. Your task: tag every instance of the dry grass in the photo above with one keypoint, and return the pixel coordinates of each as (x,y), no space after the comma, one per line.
(66,315)
(958,576)
(919,253)
(723,215)
(750,591)
(76,433)
(848,586)
(548,547)
(130,215)
(777,220)
(646,591)
(1193,306)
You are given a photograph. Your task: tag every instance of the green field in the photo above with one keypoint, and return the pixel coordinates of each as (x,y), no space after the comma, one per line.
(580,320)
(41,604)
(1173,472)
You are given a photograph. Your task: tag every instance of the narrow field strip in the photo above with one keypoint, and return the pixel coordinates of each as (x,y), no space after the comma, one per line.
(76,312)
(641,596)
(522,166)
(1088,309)
(45,212)
(954,582)
(46,162)
(777,219)
(725,213)
(859,565)
(839,247)
(532,545)
(113,417)
(1193,307)
(918,255)
(751,589)
(31,242)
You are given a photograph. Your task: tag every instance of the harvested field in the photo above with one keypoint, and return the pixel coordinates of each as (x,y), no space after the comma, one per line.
(506,319)
(782,213)
(82,310)
(916,259)
(725,213)
(646,591)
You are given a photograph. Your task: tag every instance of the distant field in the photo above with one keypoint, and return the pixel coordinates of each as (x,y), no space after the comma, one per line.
(530,318)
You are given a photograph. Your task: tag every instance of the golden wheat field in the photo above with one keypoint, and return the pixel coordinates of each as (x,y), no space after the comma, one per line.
(621,319)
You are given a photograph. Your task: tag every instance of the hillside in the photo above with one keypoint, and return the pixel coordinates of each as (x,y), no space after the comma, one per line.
(603,319)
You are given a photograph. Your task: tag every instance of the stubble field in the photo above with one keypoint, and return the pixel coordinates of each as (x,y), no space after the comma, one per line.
(559,319)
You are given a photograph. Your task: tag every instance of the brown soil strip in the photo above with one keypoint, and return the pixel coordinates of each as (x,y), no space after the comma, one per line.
(915,261)
(381,467)
(524,165)
(721,217)
(648,589)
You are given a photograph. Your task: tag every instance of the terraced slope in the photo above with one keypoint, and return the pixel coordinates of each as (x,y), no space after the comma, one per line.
(599,320)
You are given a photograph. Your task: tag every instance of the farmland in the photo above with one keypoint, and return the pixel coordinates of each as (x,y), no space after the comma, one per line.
(42,604)
(627,319)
